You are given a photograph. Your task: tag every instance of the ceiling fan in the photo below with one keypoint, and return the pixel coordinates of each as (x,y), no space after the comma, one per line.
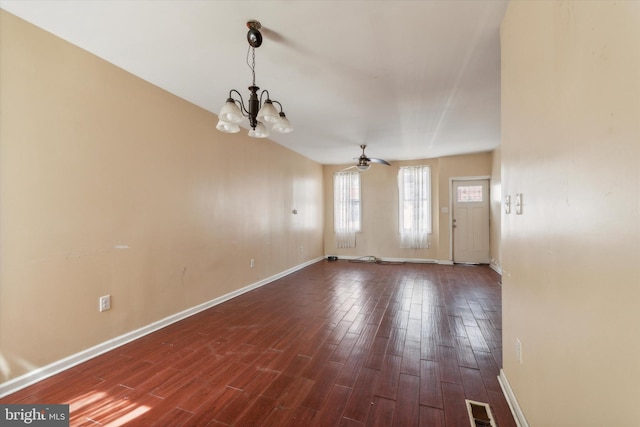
(364,162)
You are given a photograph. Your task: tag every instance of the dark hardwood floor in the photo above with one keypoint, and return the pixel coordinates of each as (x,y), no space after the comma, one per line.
(335,344)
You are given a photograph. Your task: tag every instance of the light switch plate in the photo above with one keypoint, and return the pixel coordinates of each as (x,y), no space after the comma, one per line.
(519,204)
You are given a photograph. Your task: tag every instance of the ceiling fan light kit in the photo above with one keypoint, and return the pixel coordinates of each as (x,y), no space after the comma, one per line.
(364,162)
(259,113)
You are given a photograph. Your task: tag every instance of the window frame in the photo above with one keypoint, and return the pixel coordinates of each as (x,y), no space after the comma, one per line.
(352,200)
(469,197)
(403,199)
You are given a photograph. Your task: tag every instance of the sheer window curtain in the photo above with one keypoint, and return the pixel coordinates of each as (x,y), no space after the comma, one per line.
(346,208)
(414,184)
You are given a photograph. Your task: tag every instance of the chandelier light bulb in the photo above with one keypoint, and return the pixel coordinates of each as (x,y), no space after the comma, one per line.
(230,112)
(259,132)
(283,125)
(268,113)
(227,127)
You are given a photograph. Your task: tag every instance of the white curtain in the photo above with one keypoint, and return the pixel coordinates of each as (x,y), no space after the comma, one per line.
(414,184)
(346,208)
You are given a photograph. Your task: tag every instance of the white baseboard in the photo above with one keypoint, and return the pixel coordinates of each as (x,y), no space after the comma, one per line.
(383,259)
(445,262)
(409,260)
(40,374)
(496,268)
(518,415)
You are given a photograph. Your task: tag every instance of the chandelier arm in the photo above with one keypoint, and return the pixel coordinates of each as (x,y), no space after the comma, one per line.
(277,102)
(245,112)
(262,93)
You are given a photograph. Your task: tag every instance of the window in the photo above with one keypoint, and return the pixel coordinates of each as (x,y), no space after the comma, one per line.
(469,194)
(414,184)
(346,208)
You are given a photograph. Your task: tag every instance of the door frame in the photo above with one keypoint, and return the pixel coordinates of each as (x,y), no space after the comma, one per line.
(465,178)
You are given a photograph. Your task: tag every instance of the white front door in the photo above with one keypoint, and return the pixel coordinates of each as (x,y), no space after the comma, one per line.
(471,221)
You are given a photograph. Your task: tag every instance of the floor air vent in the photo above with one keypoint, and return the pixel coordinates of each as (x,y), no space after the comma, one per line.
(480,414)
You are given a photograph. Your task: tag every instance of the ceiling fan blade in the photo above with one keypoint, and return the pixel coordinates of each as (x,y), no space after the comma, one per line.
(345,169)
(384,162)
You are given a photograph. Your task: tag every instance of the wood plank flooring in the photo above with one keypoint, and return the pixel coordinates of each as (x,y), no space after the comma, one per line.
(335,344)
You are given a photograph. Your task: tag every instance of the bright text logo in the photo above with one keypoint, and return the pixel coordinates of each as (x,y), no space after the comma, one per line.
(34,415)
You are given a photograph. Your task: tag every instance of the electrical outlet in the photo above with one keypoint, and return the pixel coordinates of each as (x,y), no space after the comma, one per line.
(104,303)
(252,263)
(519,350)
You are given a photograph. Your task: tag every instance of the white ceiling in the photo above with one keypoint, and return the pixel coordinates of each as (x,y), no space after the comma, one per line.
(411,79)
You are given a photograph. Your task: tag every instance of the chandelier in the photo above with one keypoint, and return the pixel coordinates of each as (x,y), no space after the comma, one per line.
(260,114)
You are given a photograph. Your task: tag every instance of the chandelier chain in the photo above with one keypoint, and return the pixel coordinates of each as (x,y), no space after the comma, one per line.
(253,63)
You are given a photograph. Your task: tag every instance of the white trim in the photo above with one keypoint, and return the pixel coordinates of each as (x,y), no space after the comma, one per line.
(40,374)
(518,415)
(407,260)
(445,262)
(410,260)
(496,268)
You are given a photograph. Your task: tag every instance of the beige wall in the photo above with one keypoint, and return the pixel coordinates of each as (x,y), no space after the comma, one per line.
(379,198)
(471,165)
(571,261)
(379,203)
(112,186)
